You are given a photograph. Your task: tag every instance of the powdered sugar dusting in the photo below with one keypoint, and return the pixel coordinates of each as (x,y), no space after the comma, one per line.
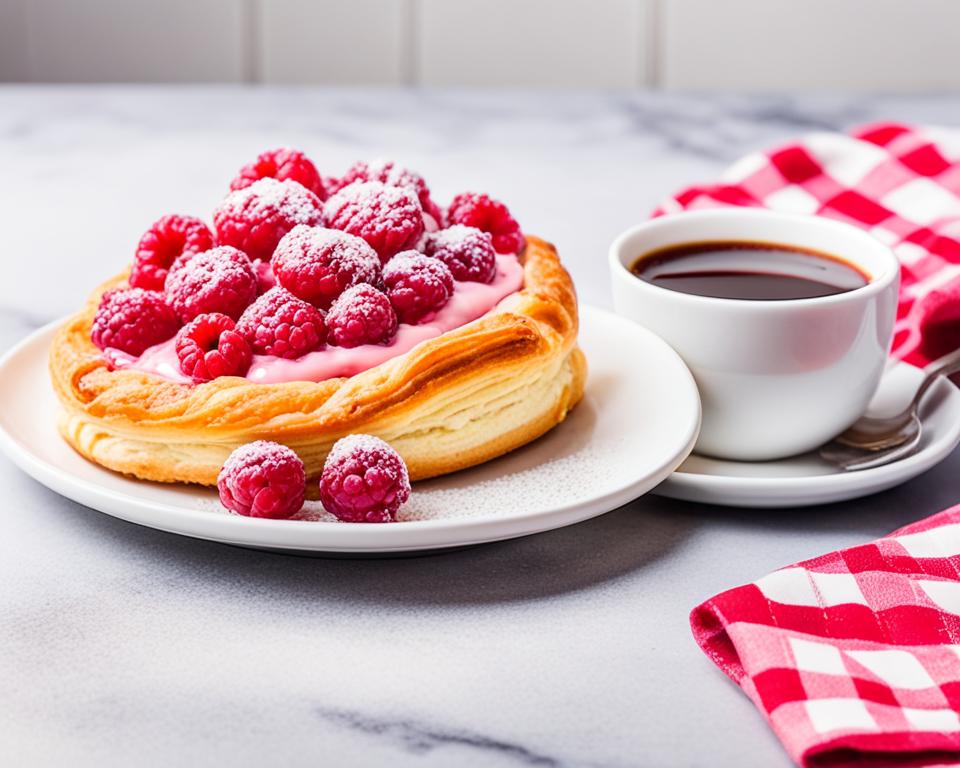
(369,197)
(280,324)
(389,218)
(550,484)
(540,476)
(361,315)
(132,320)
(219,280)
(262,479)
(269,197)
(387,172)
(313,511)
(469,302)
(214,264)
(364,480)
(398,176)
(318,264)
(417,285)
(406,263)
(358,443)
(459,235)
(348,252)
(467,251)
(254,218)
(263,453)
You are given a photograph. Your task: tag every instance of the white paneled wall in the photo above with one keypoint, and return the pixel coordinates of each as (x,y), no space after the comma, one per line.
(13,51)
(333,41)
(770,44)
(743,44)
(132,40)
(531,42)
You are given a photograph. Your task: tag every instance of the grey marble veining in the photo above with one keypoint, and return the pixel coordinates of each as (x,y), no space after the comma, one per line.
(121,645)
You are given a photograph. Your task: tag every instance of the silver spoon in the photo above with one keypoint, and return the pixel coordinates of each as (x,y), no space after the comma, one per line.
(851,459)
(873,441)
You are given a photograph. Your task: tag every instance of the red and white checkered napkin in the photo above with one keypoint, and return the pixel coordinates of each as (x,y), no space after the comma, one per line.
(855,654)
(902,184)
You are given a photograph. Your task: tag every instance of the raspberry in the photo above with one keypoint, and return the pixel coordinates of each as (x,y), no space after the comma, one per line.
(280,324)
(362,315)
(167,238)
(281,164)
(389,218)
(468,252)
(489,215)
(132,320)
(219,280)
(392,175)
(209,347)
(417,285)
(263,479)
(319,264)
(363,480)
(254,218)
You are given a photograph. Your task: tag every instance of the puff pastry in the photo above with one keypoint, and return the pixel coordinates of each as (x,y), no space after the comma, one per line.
(454,401)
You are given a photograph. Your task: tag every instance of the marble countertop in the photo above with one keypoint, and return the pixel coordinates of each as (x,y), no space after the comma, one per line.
(123,645)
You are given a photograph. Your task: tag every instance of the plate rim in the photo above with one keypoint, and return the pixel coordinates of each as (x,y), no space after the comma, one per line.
(835,486)
(476,529)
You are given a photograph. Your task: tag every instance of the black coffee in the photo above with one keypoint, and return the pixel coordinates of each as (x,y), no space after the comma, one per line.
(757,271)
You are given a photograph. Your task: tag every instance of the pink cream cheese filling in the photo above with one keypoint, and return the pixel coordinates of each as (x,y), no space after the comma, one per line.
(469,302)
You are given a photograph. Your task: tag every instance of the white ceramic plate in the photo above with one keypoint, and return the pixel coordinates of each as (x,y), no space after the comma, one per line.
(806,480)
(639,419)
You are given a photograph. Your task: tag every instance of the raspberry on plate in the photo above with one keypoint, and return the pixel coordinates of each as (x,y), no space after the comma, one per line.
(467,251)
(491,216)
(362,315)
(209,347)
(280,324)
(133,320)
(219,280)
(389,218)
(319,264)
(263,479)
(254,218)
(364,480)
(167,239)
(393,175)
(417,285)
(281,164)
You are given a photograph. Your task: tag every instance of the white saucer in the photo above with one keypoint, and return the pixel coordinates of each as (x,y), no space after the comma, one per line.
(638,420)
(806,480)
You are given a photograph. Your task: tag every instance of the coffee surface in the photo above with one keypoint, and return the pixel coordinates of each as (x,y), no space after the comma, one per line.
(755,271)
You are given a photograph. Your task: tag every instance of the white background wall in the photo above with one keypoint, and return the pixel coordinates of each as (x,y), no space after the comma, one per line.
(893,45)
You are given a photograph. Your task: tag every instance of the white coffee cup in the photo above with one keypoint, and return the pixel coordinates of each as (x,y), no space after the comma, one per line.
(776,378)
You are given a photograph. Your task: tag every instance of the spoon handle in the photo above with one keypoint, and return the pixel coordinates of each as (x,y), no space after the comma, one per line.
(944,366)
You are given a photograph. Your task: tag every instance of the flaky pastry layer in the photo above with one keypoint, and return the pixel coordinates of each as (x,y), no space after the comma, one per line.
(465,397)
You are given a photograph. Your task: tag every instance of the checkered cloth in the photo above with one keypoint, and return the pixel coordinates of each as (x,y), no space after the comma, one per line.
(901,184)
(853,656)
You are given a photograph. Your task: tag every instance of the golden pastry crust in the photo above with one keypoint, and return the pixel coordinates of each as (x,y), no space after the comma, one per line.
(451,402)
